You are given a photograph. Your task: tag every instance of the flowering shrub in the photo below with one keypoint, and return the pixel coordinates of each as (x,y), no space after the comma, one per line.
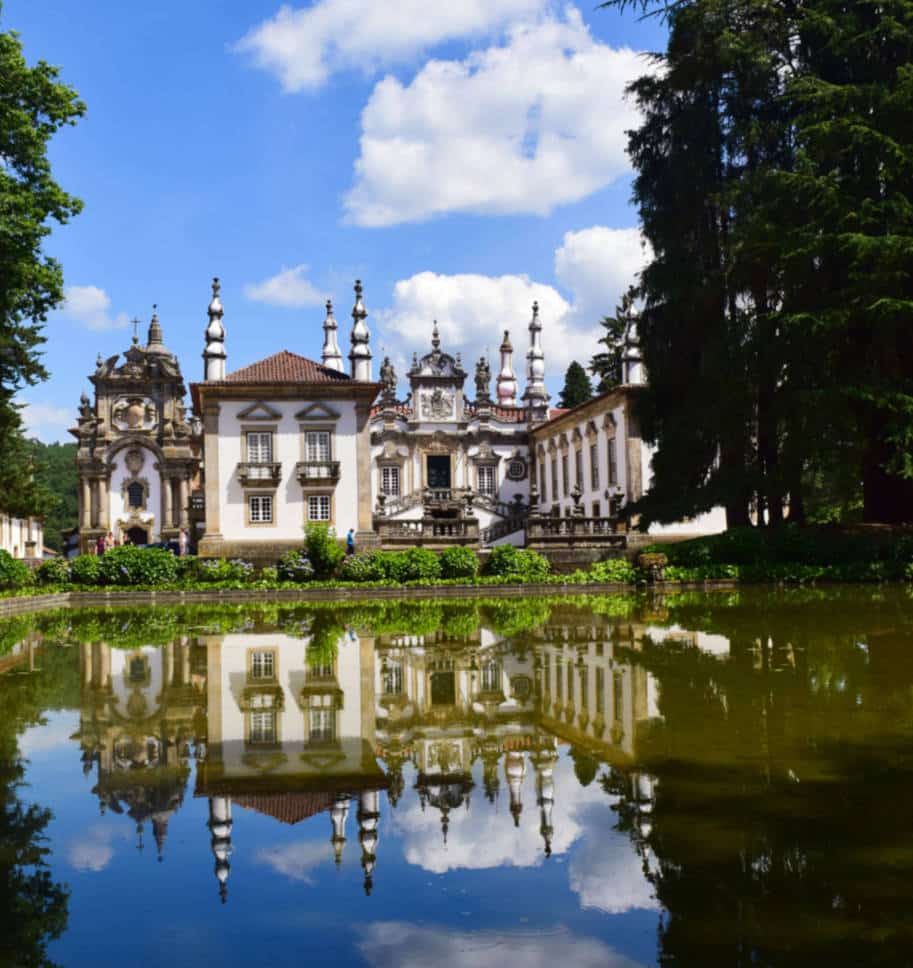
(362,568)
(13,573)
(323,550)
(295,566)
(86,570)
(137,566)
(222,570)
(459,563)
(54,571)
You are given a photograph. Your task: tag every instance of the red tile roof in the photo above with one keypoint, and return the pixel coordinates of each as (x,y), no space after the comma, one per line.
(288,808)
(286,367)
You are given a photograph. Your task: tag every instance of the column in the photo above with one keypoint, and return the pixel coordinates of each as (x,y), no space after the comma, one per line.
(211,463)
(86,509)
(168,496)
(184,505)
(104,504)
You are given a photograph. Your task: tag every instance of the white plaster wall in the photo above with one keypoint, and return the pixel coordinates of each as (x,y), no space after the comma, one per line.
(289,512)
(15,533)
(116,503)
(121,686)
(711,522)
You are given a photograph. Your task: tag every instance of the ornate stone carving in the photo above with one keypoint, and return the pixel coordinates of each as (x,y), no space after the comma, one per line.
(437,405)
(388,379)
(134,460)
(483,381)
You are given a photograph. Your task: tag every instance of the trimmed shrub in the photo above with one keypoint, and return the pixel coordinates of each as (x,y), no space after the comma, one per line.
(506,561)
(362,568)
(613,569)
(86,570)
(422,565)
(295,566)
(459,563)
(324,551)
(13,573)
(223,570)
(137,566)
(392,565)
(54,571)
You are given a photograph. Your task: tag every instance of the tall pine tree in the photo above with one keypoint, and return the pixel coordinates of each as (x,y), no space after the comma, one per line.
(577,388)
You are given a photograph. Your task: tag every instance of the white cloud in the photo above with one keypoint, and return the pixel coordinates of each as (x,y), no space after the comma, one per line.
(303,47)
(289,287)
(47,422)
(90,306)
(519,128)
(94,851)
(54,734)
(392,943)
(296,860)
(595,264)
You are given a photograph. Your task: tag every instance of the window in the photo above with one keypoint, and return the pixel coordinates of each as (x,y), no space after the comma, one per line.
(516,469)
(261,508)
(613,462)
(322,725)
(594,467)
(555,491)
(324,671)
(618,699)
(600,690)
(564,482)
(259,447)
(486,479)
(136,495)
(262,726)
(578,468)
(393,679)
(491,676)
(316,445)
(543,482)
(319,507)
(597,509)
(389,481)
(262,665)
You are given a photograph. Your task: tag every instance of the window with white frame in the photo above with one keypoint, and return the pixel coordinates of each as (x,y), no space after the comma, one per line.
(260,508)
(555,491)
(613,462)
(393,678)
(262,665)
(594,466)
(389,480)
(259,447)
(319,507)
(316,445)
(322,725)
(487,479)
(565,485)
(578,469)
(262,726)
(491,676)
(543,482)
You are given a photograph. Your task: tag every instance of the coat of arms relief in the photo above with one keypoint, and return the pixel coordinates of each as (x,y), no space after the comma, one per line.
(437,405)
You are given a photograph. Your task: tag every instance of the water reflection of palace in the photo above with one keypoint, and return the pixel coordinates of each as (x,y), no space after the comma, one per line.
(292,727)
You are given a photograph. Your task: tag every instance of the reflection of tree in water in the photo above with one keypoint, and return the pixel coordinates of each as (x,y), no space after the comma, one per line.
(33,905)
(772,807)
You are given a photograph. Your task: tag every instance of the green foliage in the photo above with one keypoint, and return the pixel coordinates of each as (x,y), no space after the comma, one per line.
(506,561)
(213,570)
(459,562)
(13,573)
(421,565)
(323,549)
(613,570)
(86,570)
(514,616)
(55,471)
(460,620)
(577,388)
(34,105)
(295,566)
(54,571)
(361,568)
(137,566)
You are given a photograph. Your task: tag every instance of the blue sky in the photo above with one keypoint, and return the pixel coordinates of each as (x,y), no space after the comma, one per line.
(462,162)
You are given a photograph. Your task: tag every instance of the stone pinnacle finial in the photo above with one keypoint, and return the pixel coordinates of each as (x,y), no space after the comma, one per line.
(435,337)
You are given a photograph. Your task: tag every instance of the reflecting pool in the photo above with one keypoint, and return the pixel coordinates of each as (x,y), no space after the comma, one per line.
(691,779)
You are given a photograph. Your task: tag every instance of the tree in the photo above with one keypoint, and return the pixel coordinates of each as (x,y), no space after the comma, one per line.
(34,105)
(608,365)
(577,388)
(55,472)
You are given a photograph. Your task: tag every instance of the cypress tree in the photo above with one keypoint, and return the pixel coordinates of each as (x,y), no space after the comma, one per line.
(577,388)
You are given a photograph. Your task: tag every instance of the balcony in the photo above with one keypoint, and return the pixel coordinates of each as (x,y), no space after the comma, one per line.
(546,531)
(254,474)
(317,471)
(428,531)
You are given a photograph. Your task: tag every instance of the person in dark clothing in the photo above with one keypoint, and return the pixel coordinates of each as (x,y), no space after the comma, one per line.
(350,542)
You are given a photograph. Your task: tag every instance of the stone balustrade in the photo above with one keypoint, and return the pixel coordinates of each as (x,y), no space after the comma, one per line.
(548,531)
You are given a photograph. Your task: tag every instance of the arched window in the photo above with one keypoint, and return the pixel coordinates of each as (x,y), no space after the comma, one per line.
(136,495)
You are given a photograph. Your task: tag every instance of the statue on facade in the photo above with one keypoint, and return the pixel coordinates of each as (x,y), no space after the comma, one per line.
(388,379)
(483,381)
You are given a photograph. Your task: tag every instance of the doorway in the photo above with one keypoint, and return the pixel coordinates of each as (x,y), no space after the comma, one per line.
(439,472)
(138,536)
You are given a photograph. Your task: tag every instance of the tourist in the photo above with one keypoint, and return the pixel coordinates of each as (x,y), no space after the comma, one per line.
(100,545)
(109,541)
(183,543)
(350,542)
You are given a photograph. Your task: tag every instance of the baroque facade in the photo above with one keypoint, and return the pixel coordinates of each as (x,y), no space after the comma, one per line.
(287,441)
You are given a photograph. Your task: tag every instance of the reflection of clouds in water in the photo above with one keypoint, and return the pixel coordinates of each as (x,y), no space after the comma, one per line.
(55,734)
(393,943)
(295,861)
(604,869)
(95,850)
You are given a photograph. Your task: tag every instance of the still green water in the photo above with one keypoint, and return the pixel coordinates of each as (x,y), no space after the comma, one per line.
(689,779)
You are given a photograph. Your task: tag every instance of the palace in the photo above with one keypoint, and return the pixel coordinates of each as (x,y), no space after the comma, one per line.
(287,441)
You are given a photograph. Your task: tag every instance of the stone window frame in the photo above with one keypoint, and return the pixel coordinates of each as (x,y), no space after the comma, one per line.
(578,468)
(390,465)
(610,428)
(124,490)
(317,495)
(565,471)
(594,464)
(276,741)
(270,650)
(248,517)
(306,428)
(491,465)
(246,429)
